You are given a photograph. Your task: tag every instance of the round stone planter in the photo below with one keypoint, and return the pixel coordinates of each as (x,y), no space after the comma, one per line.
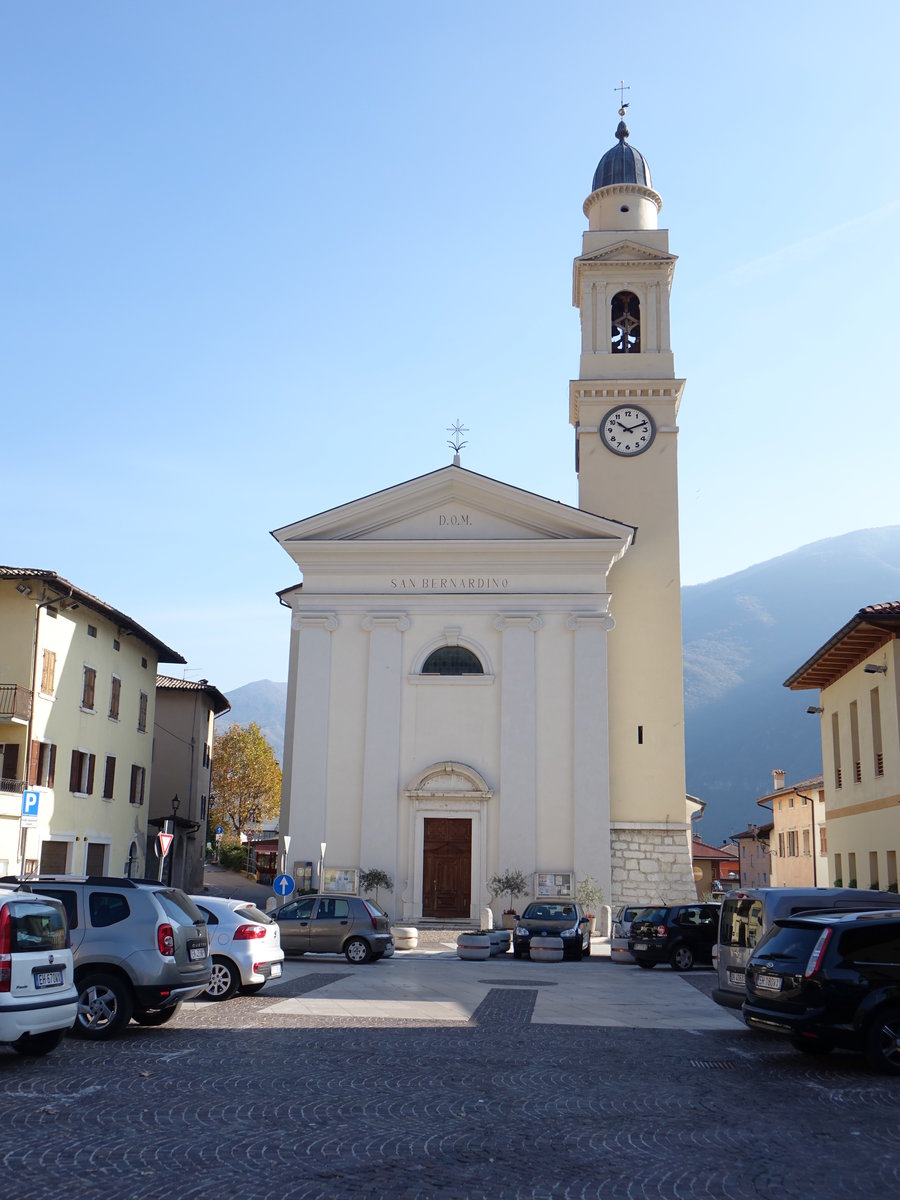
(546,949)
(406,937)
(475,946)
(500,940)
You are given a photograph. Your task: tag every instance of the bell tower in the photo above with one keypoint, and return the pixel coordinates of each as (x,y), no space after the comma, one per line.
(624,407)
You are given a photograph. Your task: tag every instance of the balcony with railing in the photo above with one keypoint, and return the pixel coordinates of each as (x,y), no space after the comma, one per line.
(15,702)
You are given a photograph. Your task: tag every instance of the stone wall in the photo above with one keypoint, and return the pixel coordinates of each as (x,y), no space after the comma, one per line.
(651,864)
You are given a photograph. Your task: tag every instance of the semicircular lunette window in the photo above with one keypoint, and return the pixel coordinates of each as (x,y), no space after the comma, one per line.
(452,660)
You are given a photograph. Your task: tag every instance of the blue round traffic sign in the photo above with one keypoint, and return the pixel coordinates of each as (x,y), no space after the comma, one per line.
(283,885)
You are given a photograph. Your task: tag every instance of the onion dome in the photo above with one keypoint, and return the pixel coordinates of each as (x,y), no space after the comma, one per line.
(622,164)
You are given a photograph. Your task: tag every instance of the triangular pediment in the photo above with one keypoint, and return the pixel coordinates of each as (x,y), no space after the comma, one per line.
(451,505)
(627,252)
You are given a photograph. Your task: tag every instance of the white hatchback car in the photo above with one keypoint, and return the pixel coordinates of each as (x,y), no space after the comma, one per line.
(244,944)
(38,998)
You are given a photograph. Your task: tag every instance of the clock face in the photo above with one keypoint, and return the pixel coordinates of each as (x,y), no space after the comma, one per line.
(627,430)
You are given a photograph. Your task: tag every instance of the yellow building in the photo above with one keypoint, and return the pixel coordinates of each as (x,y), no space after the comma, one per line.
(798,842)
(859,708)
(77,695)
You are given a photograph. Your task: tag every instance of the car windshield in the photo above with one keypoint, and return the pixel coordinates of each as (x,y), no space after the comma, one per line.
(249,912)
(549,912)
(179,906)
(741,922)
(788,944)
(656,916)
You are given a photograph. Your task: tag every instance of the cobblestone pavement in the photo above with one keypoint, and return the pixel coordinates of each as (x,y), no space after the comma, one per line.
(238,1100)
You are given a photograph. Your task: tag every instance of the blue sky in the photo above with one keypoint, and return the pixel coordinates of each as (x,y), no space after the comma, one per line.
(258,258)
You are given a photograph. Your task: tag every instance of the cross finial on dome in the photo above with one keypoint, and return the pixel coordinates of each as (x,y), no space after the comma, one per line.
(622,89)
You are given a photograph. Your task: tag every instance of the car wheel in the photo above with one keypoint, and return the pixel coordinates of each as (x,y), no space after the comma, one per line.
(104,1007)
(648,966)
(812,1045)
(39,1044)
(358,951)
(155,1016)
(250,989)
(883,1042)
(586,952)
(224,980)
(682,958)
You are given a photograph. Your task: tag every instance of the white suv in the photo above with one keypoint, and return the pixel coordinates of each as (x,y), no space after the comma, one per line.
(38,999)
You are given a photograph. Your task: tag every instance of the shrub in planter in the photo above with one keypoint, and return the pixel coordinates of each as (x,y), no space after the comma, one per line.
(509,883)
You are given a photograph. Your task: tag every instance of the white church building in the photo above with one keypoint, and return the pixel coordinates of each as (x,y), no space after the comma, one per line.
(482,679)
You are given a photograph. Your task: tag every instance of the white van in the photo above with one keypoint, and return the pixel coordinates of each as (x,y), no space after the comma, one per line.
(748,914)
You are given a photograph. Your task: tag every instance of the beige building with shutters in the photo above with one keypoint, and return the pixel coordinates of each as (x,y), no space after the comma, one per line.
(482,679)
(856,672)
(77,698)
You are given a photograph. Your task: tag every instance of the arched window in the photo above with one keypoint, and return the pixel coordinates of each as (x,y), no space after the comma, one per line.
(625,336)
(452,660)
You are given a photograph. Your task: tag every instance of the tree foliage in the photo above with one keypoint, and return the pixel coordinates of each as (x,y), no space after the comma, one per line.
(246,780)
(373,879)
(511,883)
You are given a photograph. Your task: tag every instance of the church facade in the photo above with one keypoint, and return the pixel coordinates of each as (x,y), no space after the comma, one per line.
(484,680)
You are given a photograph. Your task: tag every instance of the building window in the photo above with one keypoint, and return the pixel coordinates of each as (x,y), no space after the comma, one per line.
(81,775)
(452,660)
(43,764)
(88,687)
(875,706)
(136,791)
(793,849)
(806,842)
(838,877)
(625,332)
(115,694)
(790,801)
(202,808)
(892,870)
(92,630)
(109,777)
(48,673)
(144,663)
(873,869)
(781,845)
(823,840)
(142,713)
(854,741)
(836,749)
(851,870)
(115,643)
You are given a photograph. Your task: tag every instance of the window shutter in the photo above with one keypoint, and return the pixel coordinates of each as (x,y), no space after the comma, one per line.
(75,773)
(92,758)
(33,763)
(51,773)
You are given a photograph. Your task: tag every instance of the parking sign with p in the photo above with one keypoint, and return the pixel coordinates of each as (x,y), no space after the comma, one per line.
(30,803)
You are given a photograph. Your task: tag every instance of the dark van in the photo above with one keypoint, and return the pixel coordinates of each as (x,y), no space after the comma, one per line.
(749,914)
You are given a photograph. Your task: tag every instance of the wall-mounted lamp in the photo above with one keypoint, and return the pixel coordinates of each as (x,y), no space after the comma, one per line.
(815,708)
(72,606)
(23,589)
(874,669)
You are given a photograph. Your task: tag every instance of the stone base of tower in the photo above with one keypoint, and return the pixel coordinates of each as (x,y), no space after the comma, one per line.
(651,864)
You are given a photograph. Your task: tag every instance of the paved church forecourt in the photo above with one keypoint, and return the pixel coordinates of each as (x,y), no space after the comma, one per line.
(248,1099)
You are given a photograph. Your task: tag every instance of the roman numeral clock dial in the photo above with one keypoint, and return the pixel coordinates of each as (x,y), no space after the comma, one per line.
(628,430)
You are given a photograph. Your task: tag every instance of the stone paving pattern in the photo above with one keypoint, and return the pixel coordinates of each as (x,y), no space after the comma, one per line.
(238,1100)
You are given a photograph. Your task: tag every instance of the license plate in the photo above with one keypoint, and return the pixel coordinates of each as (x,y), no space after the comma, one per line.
(736,978)
(45,979)
(196,952)
(276,970)
(769,983)
(640,945)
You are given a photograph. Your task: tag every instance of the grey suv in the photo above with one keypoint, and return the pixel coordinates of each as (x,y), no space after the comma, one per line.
(333,924)
(140,948)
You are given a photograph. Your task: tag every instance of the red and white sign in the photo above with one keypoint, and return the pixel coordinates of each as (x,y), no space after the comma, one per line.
(163,842)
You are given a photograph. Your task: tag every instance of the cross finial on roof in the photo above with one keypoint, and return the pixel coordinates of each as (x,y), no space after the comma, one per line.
(456,443)
(622,89)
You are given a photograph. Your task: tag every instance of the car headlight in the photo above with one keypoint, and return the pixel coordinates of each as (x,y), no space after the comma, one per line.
(569,933)
(522,932)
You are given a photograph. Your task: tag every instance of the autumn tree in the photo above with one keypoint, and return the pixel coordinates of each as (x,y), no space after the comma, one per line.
(246,780)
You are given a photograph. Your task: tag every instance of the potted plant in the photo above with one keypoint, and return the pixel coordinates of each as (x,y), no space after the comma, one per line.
(509,883)
(371,881)
(589,895)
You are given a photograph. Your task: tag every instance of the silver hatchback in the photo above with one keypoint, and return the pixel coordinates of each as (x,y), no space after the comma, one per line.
(331,924)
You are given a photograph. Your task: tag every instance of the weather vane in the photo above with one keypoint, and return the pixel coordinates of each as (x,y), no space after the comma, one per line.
(622,89)
(456,443)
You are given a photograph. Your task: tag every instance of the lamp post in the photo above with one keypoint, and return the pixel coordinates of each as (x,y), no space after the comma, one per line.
(171,826)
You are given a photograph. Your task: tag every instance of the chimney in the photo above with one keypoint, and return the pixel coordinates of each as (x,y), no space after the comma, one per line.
(777,780)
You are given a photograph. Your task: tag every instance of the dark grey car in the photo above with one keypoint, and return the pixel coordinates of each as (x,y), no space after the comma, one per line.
(331,924)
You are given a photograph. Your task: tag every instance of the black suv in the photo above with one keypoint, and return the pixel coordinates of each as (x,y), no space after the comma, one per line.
(679,934)
(830,981)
